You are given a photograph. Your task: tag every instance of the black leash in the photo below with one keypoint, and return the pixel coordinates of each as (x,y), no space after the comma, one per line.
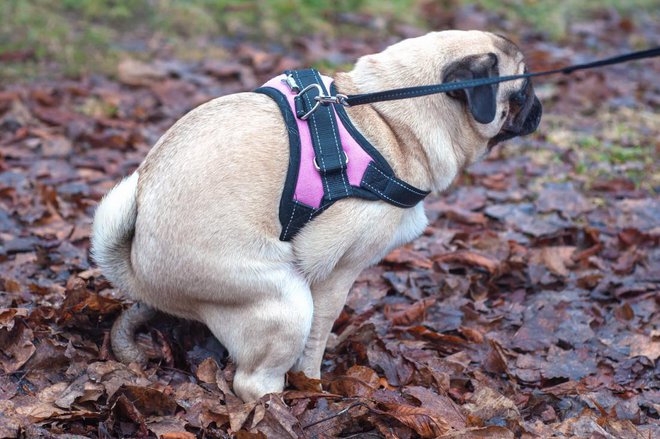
(424,90)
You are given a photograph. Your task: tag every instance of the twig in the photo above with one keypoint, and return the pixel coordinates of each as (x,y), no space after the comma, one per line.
(339,413)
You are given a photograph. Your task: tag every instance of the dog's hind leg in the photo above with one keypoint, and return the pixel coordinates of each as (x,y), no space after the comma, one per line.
(329,298)
(264,336)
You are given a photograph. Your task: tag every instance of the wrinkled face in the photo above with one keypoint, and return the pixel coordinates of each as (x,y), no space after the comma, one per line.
(501,111)
(523,117)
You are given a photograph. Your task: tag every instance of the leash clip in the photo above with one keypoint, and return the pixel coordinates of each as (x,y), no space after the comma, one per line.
(320,99)
(340,99)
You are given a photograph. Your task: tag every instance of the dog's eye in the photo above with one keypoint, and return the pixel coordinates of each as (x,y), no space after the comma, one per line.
(518,98)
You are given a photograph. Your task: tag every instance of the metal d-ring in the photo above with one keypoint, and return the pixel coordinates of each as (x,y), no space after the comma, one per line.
(318,168)
(316,106)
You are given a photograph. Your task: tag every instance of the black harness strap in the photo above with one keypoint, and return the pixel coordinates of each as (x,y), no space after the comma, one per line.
(391,189)
(330,157)
(378,181)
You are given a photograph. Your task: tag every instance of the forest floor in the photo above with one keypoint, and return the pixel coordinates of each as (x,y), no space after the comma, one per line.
(529,307)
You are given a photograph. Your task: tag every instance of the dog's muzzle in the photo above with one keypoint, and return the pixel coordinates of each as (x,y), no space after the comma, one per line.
(533,118)
(526,122)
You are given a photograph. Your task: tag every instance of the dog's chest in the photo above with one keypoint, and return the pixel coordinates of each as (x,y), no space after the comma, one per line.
(413,223)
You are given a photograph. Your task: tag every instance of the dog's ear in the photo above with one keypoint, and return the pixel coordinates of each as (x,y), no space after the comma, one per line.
(482,100)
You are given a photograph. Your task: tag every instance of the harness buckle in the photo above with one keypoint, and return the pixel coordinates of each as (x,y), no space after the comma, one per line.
(291,83)
(318,168)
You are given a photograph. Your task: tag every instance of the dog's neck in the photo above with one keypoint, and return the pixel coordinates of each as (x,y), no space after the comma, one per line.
(431,156)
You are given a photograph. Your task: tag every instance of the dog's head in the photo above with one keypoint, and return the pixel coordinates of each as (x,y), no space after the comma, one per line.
(465,123)
(515,110)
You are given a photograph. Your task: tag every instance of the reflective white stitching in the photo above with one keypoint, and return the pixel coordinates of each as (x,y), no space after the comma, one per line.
(400,184)
(340,150)
(385,196)
(286,230)
(325,181)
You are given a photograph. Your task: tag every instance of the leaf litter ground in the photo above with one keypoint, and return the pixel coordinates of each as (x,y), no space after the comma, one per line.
(529,307)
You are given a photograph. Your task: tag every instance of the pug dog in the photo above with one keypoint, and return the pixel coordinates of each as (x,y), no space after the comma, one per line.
(194,231)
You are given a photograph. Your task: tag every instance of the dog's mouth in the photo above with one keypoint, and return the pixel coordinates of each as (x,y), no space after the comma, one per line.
(525,122)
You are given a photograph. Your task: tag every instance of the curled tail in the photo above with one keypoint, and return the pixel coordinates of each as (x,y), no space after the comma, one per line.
(112,238)
(112,233)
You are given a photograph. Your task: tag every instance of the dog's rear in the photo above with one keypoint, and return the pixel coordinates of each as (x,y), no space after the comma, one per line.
(112,237)
(112,234)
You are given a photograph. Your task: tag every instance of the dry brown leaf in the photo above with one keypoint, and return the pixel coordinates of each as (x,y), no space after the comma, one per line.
(8,315)
(556,259)
(248,435)
(10,422)
(134,72)
(495,360)
(641,344)
(277,420)
(407,256)
(302,382)
(72,392)
(426,423)
(177,435)
(207,371)
(149,402)
(487,404)
(441,406)
(358,381)
(238,413)
(170,427)
(469,258)
(410,313)
(17,347)
(490,432)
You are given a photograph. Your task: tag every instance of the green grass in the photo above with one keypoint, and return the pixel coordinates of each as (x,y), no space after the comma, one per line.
(83,36)
(75,37)
(554,17)
(622,146)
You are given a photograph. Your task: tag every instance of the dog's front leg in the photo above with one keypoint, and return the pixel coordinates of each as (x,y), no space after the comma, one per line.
(329,297)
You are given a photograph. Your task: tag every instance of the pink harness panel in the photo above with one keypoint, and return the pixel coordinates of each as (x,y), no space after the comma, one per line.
(309,188)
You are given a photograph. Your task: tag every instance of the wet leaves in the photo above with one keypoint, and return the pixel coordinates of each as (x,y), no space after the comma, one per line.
(529,307)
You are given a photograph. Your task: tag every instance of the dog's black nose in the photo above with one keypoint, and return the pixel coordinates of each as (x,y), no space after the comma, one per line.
(525,122)
(533,118)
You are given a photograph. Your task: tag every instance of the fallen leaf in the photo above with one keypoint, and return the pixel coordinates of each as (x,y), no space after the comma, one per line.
(469,258)
(487,404)
(556,259)
(302,382)
(641,344)
(423,421)
(134,72)
(410,313)
(439,405)
(17,346)
(148,401)
(358,381)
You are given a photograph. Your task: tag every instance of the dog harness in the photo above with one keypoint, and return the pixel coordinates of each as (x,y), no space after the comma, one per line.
(329,159)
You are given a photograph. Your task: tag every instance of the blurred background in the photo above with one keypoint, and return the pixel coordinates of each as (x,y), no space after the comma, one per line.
(171,55)
(74,37)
